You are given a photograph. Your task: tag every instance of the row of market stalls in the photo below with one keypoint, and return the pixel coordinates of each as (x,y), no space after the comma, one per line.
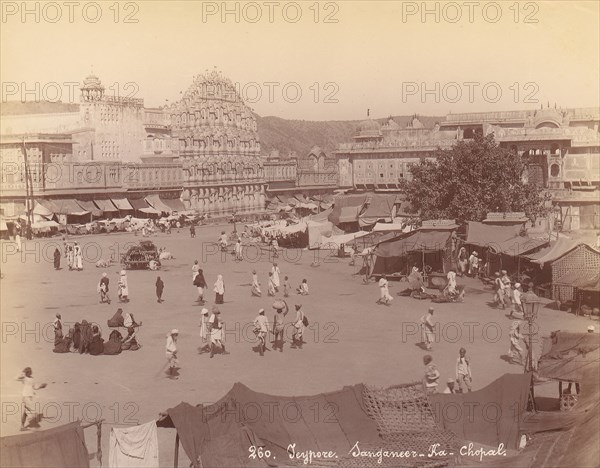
(70,210)
(299,203)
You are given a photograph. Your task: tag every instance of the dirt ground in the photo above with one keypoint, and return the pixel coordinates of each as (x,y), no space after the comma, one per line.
(350,339)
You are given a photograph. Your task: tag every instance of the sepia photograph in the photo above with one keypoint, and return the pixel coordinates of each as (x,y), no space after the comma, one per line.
(337,234)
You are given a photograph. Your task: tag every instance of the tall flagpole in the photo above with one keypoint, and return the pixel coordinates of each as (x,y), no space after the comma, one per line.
(28,200)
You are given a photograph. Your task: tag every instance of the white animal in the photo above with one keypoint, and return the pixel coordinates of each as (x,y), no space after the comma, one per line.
(104,263)
(164,255)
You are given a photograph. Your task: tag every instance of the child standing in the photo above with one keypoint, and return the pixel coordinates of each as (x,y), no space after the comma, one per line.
(463,371)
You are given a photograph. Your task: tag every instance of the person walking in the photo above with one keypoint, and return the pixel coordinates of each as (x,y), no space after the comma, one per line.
(297,339)
(171,353)
(507,290)
(271,289)
(499,290)
(474,264)
(215,324)
(515,348)
(103,287)
(516,302)
(463,371)
(58,330)
(123,287)
(160,286)
(286,287)
(70,257)
(275,270)
(219,290)
(463,262)
(384,292)
(78,257)
(238,251)
(195,270)
(200,284)
(427,329)
(56,259)
(204,333)
(281,310)
(432,375)
(261,328)
(255,288)
(28,395)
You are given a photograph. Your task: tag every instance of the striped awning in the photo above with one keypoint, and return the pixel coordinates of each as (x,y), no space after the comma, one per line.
(157,204)
(89,206)
(106,206)
(122,203)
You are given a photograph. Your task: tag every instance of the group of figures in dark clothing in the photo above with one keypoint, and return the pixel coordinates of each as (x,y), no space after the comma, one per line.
(86,338)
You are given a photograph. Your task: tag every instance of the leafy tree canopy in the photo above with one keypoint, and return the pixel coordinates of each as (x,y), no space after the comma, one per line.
(469,180)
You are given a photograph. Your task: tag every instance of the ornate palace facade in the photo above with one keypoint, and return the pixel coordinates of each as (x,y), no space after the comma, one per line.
(219,148)
(203,149)
(562,147)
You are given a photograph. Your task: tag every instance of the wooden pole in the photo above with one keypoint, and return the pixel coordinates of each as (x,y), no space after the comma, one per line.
(176,456)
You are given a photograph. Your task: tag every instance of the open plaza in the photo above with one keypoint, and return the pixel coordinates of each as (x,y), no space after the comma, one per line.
(350,339)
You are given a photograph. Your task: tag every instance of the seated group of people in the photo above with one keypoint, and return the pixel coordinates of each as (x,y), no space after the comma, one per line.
(86,338)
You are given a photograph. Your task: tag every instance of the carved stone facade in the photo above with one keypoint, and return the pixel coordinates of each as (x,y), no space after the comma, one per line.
(218,147)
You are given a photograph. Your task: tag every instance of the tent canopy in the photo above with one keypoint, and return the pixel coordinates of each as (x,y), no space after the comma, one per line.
(422,241)
(69,206)
(587,280)
(469,421)
(142,205)
(381,207)
(561,247)
(90,207)
(566,355)
(122,203)
(158,204)
(386,227)
(347,208)
(106,206)
(221,433)
(318,231)
(43,209)
(59,446)
(501,239)
(174,203)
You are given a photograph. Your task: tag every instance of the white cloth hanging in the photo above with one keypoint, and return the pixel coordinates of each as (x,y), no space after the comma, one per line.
(134,447)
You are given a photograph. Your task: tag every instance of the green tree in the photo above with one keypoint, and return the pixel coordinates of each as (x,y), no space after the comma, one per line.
(472,178)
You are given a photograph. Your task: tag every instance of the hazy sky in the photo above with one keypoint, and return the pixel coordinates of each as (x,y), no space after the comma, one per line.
(348,56)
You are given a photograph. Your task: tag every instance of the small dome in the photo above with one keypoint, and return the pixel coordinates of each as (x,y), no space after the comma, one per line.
(368,128)
(92,82)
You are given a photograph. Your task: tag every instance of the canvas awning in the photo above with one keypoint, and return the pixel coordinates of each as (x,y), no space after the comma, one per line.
(400,227)
(57,446)
(174,203)
(69,206)
(501,239)
(381,207)
(588,280)
(106,206)
(219,435)
(90,206)
(347,208)
(561,247)
(43,209)
(158,204)
(44,224)
(122,203)
(422,241)
(142,205)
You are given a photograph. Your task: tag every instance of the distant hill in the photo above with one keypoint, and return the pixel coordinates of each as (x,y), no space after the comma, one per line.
(275,133)
(301,135)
